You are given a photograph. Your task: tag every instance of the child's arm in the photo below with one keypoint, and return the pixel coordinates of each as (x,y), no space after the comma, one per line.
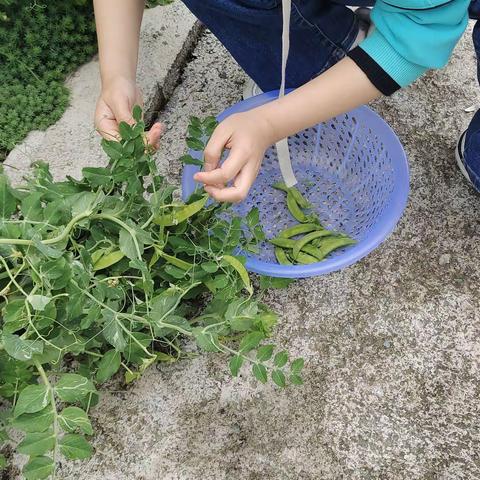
(118,30)
(340,89)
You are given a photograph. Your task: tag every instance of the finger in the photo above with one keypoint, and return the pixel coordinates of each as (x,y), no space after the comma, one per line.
(108,128)
(229,169)
(239,190)
(213,150)
(123,111)
(153,136)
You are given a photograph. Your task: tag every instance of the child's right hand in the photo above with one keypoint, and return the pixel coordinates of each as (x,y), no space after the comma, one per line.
(115,104)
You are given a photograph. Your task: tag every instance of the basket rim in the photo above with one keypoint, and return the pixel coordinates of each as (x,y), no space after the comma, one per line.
(381,230)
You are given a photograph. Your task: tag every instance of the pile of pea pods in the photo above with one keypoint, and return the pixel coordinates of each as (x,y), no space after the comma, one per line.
(316,242)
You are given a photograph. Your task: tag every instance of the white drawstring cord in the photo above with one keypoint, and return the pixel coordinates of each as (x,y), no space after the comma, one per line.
(283,153)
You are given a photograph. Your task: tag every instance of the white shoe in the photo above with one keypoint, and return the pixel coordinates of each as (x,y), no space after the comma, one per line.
(459,155)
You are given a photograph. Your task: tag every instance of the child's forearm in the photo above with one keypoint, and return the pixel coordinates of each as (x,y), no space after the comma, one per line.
(118,29)
(338,90)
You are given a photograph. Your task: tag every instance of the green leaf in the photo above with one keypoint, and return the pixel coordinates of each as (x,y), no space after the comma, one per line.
(32,398)
(296,379)
(3,462)
(97,176)
(137,113)
(14,316)
(108,365)
(297,365)
(205,340)
(189,160)
(38,302)
(264,353)
(235,364)
(113,149)
(195,131)
(72,387)
(195,144)
(275,282)
(20,349)
(38,468)
(36,444)
(279,378)
(72,418)
(209,267)
(8,204)
(162,304)
(75,447)
(32,206)
(112,331)
(34,422)
(260,372)
(281,358)
(127,245)
(251,341)
(125,130)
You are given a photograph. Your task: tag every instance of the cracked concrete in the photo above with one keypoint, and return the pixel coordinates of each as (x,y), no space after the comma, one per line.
(391,344)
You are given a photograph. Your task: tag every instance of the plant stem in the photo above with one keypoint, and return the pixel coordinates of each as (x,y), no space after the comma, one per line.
(47,383)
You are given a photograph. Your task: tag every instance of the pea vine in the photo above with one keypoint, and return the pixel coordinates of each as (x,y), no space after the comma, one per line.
(108,275)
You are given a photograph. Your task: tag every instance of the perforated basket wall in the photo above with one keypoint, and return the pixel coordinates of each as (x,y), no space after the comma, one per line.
(352,169)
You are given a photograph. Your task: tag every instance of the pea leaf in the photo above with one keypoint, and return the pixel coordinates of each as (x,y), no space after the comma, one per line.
(189,160)
(112,331)
(32,398)
(137,113)
(260,372)
(34,422)
(21,349)
(75,447)
(14,316)
(296,379)
(279,378)
(127,245)
(8,204)
(72,387)
(206,341)
(195,144)
(297,365)
(36,444)
(108,365)
(72,418)
(38,468)
(235,364)
(3,462)
(251,341)
(125,131)
(264,353)
(38,302)
(281,358)
(97,176)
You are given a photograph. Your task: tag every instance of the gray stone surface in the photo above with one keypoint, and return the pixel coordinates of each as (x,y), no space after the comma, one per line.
(392,343)
(168,36)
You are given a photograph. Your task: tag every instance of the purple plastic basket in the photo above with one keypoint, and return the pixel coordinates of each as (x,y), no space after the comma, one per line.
(352,169)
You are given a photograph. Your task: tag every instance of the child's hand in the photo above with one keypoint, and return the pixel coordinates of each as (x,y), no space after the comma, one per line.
(115,105)
(247,135)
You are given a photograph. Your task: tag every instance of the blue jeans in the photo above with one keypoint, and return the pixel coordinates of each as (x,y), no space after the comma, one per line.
(321,33)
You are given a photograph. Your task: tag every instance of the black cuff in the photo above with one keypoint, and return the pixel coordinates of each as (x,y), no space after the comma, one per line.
(375,73)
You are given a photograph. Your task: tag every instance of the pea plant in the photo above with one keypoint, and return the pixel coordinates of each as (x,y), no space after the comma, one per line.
(108,275)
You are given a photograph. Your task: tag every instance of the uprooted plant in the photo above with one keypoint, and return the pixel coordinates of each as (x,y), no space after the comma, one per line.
(111,273)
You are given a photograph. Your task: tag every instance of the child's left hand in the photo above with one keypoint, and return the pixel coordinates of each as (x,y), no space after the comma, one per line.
(247,135)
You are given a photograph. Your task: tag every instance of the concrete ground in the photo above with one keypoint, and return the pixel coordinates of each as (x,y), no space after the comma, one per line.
(391,344)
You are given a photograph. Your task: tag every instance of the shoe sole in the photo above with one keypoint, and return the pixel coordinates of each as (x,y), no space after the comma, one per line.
(459,156)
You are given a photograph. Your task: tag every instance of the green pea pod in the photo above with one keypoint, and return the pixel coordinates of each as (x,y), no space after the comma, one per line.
(108,260)
(306,259)
(332,243)
(300,244)
(280,186)
(182,214)
(295,210)
(299,198)
(299,229)
(290,244)
(241,270)
(282,257)
(181,264)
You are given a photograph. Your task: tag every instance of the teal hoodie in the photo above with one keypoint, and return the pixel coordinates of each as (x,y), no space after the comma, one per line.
(410,37)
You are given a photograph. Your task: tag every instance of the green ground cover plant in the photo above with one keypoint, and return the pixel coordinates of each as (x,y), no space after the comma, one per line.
(108,275)
(40,44)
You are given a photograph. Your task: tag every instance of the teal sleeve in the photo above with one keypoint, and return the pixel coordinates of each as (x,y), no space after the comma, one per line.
(412,36)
